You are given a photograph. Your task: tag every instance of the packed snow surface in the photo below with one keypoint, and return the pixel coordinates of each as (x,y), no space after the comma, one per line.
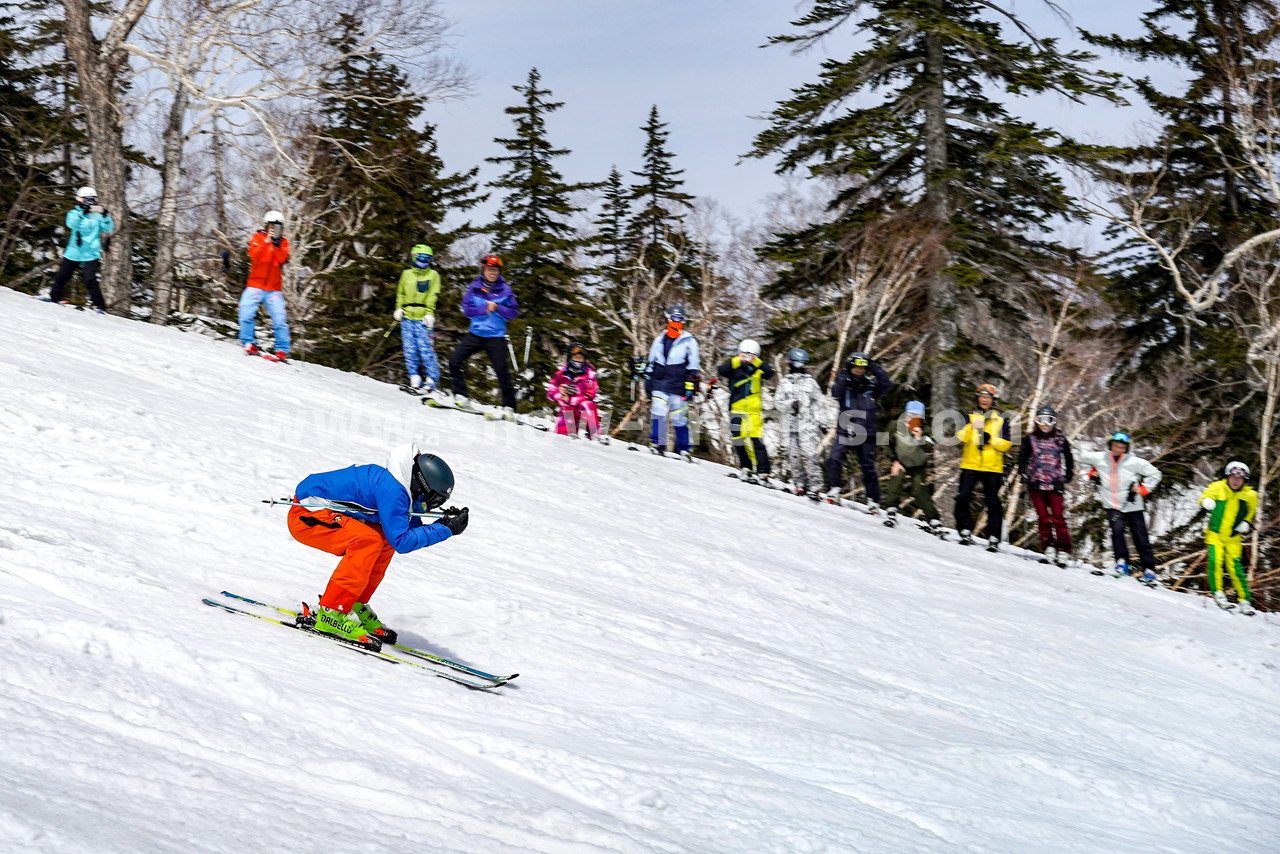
(706,666)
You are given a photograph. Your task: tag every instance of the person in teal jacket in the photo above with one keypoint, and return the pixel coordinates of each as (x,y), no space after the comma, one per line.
(87,222)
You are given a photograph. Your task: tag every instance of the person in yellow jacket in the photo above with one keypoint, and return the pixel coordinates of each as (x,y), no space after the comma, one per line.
(986,440)
(1232,504)
(416,312)
(744,374)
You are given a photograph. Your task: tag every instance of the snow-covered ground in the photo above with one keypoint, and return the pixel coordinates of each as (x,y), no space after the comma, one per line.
(706,666)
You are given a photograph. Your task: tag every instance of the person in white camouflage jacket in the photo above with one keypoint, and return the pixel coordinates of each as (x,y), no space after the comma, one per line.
(800,401)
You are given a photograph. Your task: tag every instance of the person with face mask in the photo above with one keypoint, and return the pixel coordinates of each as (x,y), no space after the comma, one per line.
(573,388)
(416,296)
(1232,505)
(671,380)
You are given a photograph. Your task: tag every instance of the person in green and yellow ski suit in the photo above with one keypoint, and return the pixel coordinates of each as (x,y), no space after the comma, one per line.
(1232,504)
(416,311)
(744,374)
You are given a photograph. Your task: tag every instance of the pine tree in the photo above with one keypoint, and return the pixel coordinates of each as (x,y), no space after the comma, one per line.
(381,188)
(37,141)
(936,145)
(661,203)
(535,236)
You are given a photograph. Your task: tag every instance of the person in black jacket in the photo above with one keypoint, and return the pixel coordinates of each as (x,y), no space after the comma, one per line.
(857,390)
(1046,467)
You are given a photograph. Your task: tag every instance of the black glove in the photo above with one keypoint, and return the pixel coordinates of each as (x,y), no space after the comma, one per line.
(276,240)
(1025,480)
(1094,477)
(455,520)
(795,407)
(981,438)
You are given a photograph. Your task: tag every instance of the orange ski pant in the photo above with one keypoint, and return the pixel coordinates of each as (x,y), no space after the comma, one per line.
(364,550)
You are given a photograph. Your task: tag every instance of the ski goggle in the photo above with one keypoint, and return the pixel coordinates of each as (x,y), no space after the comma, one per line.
(422,258)
(1047,420)
(859,362)
(89,200)
(1238,471)
(1121,437)
(676,317)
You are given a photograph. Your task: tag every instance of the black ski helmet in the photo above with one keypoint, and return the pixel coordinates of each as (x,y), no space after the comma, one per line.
(798,357)
(432,480)
(858,360)
(1046,415)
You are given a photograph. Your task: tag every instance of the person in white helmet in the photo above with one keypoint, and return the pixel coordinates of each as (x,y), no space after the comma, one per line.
(87,222)
(745,375)
(1232,504)
(268,252)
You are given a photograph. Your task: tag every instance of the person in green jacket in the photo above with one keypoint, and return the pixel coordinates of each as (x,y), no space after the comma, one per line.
(911,448)
(1232,503)
(416,310)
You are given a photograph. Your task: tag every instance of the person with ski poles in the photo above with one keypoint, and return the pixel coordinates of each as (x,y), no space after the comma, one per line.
(672,376)
(857,390)
(800,400)
(1232,504)
(1046,467)
(911,450)
(745,374)
(268,252)
(87,221)
(489,304)
(985,437)
(416,296)
(411,482)
(573,389)
(1123,482)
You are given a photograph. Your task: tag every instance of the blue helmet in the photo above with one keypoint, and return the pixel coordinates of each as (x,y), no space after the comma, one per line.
(1120,436)
(798,357)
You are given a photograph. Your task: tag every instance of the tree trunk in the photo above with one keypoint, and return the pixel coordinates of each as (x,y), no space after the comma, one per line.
(98,69)
(162,283)
(937,203)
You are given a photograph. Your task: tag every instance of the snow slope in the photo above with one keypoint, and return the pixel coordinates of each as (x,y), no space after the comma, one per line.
(706,666)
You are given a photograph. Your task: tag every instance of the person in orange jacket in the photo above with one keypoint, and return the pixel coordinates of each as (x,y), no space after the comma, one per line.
(268,252)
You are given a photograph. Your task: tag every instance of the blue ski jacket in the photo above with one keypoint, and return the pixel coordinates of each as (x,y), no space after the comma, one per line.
(672,363)
(85,242)
(475,305)
(377,488)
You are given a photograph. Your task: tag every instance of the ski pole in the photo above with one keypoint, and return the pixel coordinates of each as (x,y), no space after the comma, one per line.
(528,340)
(341,506)
(391,328)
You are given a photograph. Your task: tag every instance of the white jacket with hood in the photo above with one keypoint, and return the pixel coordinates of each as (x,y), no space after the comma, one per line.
(1118,475)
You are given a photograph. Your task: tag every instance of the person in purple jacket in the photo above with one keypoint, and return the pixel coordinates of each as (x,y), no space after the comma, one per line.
(490,304)
(367,515)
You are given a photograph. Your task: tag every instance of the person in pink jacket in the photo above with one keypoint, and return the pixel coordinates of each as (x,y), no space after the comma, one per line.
(574,388)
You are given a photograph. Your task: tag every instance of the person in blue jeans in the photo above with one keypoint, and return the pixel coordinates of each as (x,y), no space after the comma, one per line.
(268,252)
(490,304)
(87,222)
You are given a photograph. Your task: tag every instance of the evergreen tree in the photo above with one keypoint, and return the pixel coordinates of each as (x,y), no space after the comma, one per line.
(611,245)
(534,234)
(937,145)
(658,191)
(37,141)
(381,188)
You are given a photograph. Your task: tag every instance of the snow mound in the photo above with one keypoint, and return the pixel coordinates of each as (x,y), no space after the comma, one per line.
(706,666)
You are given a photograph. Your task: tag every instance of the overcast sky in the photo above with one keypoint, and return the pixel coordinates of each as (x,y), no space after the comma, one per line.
(701,63)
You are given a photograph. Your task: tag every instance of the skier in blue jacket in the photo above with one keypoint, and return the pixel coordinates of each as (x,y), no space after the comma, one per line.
(87,222)
(490,304)
(671,378)
(375,522)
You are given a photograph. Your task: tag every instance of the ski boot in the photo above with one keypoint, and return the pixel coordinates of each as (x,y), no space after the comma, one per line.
(1220,599)
(966,538)
(684,455)
(1149,578)
(891,517)
(251,349)
(993,544)
(935,528)
(1246,608)
(832,495)
(1062,559)
(346,627)
(1049,556)
(873,508)
(372,624)
(1122,570)
(814,495)
(660,450)
(282,357)
(749,476)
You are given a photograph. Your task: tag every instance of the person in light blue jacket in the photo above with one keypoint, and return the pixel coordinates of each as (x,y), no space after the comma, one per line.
(87,222)
(671,379)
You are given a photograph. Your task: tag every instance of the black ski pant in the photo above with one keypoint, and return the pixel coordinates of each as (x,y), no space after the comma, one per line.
(497,350)
(760,464)
(866,460)
(88,275)
(1137,525)
(990,481)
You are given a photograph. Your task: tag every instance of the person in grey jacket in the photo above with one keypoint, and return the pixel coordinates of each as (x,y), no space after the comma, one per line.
(1123,481)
